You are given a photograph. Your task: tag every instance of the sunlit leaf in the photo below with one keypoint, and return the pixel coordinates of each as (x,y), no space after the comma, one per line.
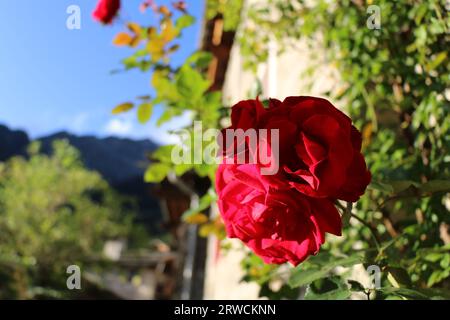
(123,107)
(200,59)
(122,39)
(163,153)
(204,203)
(184,21)
(404,292)
(190,83)
(337,294)
(166,116)
(165,11)
(436,186)
(135,28)
(168,31)
(197,218)
(144,112)
(302,277)
(181,169)
(440,57)
(156,172)
(156,48)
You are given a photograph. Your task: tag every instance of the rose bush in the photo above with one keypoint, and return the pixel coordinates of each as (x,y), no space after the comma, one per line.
(106,10)
(279,225)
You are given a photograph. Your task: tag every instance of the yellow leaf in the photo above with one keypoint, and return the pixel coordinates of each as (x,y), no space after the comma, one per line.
(165,11)
(145,112)
(367,135)
(169,32)
(135,42)
(135,28)
(152,33)
(197,218)
(122,39)
(173,48)
(438,59)
(123,108)
(205,230)
(157,75)
(156,48)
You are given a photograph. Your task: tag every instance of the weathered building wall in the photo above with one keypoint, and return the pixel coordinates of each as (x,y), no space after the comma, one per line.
(280,76)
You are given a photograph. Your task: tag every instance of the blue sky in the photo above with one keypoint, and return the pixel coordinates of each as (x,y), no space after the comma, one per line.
(53,78)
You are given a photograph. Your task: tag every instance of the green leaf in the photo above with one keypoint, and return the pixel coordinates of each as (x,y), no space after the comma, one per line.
(144,112)
(166,90)
(346,262)
(190,83)
(166,116)
(184,21)
(402,185)
(435,293)
(337,294)
(300,277)
(303,277)
(130,62)
(204,203)
(404,292)
(169,32)
(435,186)
(200,59)
(124,107)
(440,57)
(163,154)
(437,276)
(356,286)
(400,275)
(156,172)
(380,186)
(181,169)
(421,11)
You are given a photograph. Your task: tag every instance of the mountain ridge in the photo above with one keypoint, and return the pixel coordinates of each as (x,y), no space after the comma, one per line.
(120,161)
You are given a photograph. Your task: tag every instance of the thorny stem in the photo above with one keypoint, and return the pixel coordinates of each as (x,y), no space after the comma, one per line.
(347,211)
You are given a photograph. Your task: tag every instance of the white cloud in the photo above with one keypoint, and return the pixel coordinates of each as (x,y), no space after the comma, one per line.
(126,125)
(119,126)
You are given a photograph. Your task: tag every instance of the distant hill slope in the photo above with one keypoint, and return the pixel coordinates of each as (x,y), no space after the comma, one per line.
(12,142)
(117,159)
(121,162)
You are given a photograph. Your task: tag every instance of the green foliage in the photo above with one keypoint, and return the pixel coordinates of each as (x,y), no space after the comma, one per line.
(204,204)
(145,112)
(321,267)
(178,90)
(230,10)
(394,83)
(54,213)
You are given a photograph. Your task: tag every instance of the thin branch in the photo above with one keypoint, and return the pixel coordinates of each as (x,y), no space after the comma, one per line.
(372,230)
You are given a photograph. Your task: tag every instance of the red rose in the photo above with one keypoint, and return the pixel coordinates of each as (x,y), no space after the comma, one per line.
(279,225)
(245,114)
(106,10)
(319,148)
